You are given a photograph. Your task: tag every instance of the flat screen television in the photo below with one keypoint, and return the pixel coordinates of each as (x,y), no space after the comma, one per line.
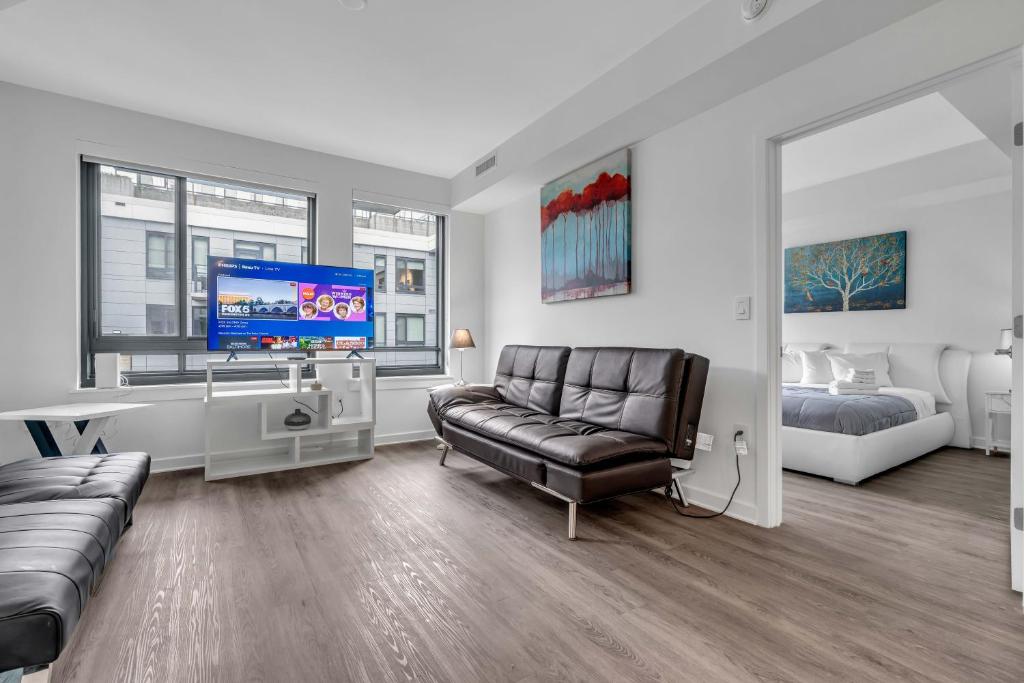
(278,306)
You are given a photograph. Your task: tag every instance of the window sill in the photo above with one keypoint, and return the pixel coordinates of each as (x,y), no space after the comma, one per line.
(197,390)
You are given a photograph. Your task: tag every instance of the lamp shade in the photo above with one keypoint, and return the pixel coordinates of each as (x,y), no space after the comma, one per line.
(1006,339)
(462,339)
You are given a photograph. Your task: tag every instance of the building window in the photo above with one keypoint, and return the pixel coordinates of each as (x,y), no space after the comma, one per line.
(410,329)
(380,273)
(412,242)
(380,329)
(141,228)
(200,254)
(160,256)
(199,315)
(161,320)
(410,275)
(255,250)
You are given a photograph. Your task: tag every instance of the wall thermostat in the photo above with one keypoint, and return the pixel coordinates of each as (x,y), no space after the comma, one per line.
(752,9)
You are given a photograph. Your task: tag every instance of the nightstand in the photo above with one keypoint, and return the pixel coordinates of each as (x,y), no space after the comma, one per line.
(996,403)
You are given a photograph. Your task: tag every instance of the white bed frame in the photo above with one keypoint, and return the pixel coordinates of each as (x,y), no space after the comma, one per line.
(851,459)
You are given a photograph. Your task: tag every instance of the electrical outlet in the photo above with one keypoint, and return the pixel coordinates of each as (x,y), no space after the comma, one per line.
(356,372)
(742,440)
(704,441)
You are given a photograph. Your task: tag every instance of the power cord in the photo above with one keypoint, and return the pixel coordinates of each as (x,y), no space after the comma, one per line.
(739,478)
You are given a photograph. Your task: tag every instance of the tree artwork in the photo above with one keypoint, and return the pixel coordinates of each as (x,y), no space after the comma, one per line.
(585,228)
(862,274)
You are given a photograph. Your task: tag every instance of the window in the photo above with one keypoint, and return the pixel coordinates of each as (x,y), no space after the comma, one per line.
(147,238)
(410,275)
(380,273)
(255,250)
(161,320)
(380,329)
(160,256)
(412,243)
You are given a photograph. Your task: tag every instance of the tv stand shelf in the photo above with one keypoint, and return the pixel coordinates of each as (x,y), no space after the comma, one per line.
(345,407)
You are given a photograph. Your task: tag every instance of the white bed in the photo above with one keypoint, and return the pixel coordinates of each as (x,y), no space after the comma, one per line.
(931,377)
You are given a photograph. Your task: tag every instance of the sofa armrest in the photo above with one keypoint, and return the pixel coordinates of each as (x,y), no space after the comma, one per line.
(450,395)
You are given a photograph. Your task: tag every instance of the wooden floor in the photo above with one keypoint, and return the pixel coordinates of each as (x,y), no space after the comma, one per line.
(396,569)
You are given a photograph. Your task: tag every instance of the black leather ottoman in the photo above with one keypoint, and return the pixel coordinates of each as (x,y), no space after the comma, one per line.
(51,557)
(120,476)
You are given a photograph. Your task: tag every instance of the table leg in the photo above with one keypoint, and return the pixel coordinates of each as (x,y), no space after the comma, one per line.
(43,438)
(89,437)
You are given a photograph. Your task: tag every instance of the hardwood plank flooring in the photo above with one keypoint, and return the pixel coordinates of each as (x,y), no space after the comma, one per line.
(396,569)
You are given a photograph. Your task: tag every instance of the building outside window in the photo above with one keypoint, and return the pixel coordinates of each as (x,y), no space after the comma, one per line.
(409,275)
(409,318)
(255,250)
(160,256)
(410,329)
(141,228)
(380,329)
(380,273)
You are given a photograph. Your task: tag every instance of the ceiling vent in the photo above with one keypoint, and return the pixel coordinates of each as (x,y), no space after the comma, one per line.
(486,165)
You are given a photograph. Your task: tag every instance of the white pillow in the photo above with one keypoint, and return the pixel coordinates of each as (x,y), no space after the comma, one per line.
(792,367)
(816,367)
(843,363)
(917,366)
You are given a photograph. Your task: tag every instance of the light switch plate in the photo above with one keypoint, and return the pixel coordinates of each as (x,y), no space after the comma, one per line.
(741,308)
(704,441)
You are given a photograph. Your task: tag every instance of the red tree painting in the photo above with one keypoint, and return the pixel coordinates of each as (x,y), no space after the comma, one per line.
(585,227)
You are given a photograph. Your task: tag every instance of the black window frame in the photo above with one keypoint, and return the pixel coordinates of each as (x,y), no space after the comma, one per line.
(406,289)
(183,344)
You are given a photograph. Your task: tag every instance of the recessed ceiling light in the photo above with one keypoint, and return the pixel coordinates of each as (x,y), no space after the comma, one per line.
(354,5)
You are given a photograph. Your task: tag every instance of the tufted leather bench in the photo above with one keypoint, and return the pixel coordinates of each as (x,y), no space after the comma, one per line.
(51,557)
(60,519)
(584,424)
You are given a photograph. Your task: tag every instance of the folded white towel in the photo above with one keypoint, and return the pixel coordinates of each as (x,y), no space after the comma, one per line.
(861,376)
(849,384)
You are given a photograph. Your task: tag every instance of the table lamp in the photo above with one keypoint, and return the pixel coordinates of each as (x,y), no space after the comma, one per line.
(461,340)
(1005,343)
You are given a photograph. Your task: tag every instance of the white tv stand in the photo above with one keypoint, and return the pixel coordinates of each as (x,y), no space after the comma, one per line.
(282,449)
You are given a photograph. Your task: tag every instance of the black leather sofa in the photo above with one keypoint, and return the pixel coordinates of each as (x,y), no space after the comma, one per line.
(582,424)
(60,520)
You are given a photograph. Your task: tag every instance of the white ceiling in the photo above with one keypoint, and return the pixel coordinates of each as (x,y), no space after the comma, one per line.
(907,131)
(425,85)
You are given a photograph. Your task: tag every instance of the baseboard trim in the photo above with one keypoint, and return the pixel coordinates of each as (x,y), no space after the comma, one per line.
(191,461)
(709,500)
(979,442)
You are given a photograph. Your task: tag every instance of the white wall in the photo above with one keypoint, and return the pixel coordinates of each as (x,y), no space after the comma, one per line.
(698,195)
(41,138)
(959,265)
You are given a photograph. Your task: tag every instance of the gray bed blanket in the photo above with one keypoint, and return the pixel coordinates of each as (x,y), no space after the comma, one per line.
(808,408)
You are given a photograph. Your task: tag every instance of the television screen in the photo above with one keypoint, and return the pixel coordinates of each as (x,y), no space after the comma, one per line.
(277,306)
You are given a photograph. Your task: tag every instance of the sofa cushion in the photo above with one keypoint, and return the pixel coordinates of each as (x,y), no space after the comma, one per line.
(120,476)
(51,557)
(531,376)
(625,389)
(567,441)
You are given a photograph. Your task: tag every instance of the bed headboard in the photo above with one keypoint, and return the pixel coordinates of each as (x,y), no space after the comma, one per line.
(935,368)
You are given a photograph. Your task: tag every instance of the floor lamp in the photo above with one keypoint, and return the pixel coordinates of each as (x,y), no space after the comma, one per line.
(461,340)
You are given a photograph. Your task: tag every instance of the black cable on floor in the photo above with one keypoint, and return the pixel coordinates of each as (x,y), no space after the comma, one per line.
(739,478)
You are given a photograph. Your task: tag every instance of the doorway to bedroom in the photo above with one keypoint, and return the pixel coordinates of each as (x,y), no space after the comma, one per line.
(896,309)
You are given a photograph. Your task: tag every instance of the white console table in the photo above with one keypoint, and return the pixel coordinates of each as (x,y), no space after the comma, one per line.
(996,403)
(284,449)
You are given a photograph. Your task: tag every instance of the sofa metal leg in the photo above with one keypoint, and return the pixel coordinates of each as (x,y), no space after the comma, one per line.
(572,520)
(444,454)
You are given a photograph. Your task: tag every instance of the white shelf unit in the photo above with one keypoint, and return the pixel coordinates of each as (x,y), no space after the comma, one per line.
(354,382)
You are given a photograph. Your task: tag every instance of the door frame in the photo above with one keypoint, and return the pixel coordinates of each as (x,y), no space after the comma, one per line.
(769,298)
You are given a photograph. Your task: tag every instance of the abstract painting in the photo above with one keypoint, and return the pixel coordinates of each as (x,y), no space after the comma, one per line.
(862,274)
(585,231)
